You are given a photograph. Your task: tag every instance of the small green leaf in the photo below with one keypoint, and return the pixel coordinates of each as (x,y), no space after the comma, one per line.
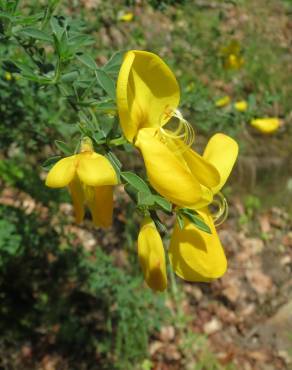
(48,163)
(195,219)
(145,199)
(56,28)
(113,65)
(136,181)
(132,192)
(87,60)
(35,34)
(106,83)
(180,220)
(70,76)
(63,147)
(163,203)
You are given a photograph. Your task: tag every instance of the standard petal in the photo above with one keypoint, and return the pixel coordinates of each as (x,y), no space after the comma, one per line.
(152,256)
(146,91)
(95,170)
(77,195)
(204,171)
(196,255)
(101,206)
(166,173)
(62,173)
(221,151)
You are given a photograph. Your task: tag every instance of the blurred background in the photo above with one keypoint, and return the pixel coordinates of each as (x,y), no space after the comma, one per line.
(73,297)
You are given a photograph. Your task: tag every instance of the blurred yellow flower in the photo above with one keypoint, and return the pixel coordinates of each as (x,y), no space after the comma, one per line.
(126,17)
(223,102)
(231,54)
(266,125)
(90,178)
(147,98)
(8,76)
(194,254)
(152,256)
(241,106)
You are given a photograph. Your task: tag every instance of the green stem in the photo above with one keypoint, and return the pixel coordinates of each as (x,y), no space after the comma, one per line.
(118,141)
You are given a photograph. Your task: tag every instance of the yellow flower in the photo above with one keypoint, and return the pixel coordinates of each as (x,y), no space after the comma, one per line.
(8,76)
(266,125)
(194,254)
(241,106)
(90,178)
(126,17)
(147,97)
(222,102)
(232,55)
(151,256)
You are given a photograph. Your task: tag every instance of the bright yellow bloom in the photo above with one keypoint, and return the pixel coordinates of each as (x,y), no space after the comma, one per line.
(241,106)
(126,17)
(151,256)
(222,102)
(266,125)
(147,96)
(90,178)
(194,254)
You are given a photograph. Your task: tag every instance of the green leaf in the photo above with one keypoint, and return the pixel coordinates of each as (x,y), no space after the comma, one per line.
(87,60)
(48,163)
(163,203)
(145,199)
(160,226)
(113,65)
(56,28)
(106,83)
(105,106)
(63,147)
(132,192)
(36,34)
(135,181)
(180,220)
(70,76)
(195,219)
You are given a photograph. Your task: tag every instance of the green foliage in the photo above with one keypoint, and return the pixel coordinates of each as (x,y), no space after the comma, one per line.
(81,298)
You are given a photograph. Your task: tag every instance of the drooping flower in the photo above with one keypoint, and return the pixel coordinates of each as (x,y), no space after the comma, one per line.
(223,102)
(90,178)
(241,106)
(147,98)
(194,254)
(266,125)
(152,256)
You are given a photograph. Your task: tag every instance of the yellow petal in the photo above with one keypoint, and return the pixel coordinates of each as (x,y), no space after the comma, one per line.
(221,151)
(95,170)
(146,90)
(241,106)
(196,255)
(204,171)
(266,125)
(151,256)
(62,173)
(166,173)
(77,195)
(126,17)
(222,102)
(101,206)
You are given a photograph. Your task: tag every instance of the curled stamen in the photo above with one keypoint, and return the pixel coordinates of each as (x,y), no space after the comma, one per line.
(180,137)
(220,215)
